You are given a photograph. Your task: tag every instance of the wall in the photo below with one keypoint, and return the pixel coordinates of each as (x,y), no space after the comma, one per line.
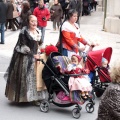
(112,21)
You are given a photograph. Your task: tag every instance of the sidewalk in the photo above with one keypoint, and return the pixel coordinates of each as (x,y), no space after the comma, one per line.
(91,29)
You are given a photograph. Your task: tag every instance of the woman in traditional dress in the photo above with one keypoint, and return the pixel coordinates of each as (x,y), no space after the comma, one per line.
(21,76)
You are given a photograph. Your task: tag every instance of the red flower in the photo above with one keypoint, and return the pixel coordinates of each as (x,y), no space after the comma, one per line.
(49,49)
(42,50)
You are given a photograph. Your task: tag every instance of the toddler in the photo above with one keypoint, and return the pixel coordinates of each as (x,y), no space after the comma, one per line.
(104,62)
(78,83)
(104,65)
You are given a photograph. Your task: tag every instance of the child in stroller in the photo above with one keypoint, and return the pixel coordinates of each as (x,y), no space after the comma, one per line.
(104,66)
(77,84)
(57,85)
(97,62)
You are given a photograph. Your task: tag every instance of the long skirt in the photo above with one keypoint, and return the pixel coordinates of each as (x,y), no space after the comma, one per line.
(81,84)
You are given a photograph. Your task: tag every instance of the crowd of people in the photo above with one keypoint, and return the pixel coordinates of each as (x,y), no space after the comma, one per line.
(25,84)
(13,15)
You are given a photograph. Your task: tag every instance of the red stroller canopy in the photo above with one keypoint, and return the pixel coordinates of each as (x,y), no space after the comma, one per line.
(95,57)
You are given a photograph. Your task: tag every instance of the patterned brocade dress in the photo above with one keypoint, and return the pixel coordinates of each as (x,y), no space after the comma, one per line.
(21,76)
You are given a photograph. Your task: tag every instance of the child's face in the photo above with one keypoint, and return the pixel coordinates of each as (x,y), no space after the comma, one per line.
(74,60)
(105,63)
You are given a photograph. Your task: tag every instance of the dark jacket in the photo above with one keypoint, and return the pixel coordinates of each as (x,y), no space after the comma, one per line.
(10,10)
(23,18)
(62,2)
(56,11)
(3,10)
(75,5)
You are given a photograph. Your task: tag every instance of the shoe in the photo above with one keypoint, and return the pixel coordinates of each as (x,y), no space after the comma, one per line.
(2,43)
(84,97)
(86,93)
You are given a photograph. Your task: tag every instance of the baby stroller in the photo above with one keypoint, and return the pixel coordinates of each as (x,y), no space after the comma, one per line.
(100,78)
(56,82)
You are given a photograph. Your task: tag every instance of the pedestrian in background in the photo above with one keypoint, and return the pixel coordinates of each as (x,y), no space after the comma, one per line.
(19,7)
(24,14)
(35,3)
(62,2)
(109,107)
(66,8)
(95,4)
(56,14)
(76,4)
(43,15)
(21,76)
(15,15)
(51,2)
(9,20)
(86,7)
(31,4)
(3,12)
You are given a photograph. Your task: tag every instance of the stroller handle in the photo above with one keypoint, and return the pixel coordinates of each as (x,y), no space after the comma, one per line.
(41,60)
(74,75)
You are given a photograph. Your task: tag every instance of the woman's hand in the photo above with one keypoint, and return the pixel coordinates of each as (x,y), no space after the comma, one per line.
(81,49)
(37,56)
(87,71)
(93,44)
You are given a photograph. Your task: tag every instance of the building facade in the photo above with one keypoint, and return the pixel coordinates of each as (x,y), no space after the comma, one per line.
(112,20)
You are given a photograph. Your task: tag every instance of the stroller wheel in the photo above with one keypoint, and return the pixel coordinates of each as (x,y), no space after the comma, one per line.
(76,113)
(44,106)
(89,107)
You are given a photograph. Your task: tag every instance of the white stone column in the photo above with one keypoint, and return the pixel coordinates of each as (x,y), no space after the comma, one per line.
(112,21)
(117,8)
